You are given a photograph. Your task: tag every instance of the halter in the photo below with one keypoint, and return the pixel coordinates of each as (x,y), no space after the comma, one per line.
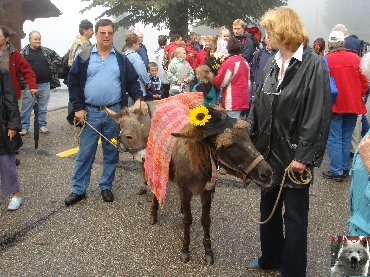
(240,169)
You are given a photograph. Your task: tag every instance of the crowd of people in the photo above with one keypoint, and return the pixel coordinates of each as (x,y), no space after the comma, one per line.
(297,99)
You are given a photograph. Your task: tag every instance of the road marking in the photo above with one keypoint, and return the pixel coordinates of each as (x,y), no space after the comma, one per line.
(71,151)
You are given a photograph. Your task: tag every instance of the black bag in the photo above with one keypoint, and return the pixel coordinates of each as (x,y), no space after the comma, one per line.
(64,69)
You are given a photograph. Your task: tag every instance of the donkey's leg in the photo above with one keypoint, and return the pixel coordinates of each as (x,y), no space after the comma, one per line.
(154,210)
(206,198)
(185,197)
(144,185)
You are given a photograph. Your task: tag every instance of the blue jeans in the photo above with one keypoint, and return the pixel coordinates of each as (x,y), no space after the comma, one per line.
(43,96)
(88,144)
(339,141)
(234,114)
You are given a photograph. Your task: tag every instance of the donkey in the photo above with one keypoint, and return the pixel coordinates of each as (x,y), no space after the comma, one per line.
(197,150)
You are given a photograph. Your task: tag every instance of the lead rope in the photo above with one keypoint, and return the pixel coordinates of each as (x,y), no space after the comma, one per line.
(83,126)
(295,180)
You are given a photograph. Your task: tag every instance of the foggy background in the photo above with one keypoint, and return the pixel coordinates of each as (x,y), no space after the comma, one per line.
(318,16)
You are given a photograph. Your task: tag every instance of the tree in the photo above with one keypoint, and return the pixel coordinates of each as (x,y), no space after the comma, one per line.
(178,14)
(353,14)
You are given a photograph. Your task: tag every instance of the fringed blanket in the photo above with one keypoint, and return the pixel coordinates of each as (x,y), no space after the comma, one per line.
(171,115)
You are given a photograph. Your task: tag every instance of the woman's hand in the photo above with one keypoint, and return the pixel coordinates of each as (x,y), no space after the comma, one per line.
(11,133)
(297,166)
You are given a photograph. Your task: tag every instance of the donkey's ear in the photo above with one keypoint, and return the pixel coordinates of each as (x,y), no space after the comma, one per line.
(364,241)
(191,132)
(112,114)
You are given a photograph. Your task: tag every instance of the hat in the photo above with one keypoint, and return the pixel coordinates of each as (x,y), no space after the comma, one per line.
(336,36)
(85,24)
(218,122)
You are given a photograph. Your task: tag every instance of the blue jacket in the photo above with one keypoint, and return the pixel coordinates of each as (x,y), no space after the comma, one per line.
(360,196)
(78,75)
(353,43)
(258,63)
(140,68)
(143,52)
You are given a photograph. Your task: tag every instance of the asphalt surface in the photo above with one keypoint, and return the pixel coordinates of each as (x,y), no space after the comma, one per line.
(96,238)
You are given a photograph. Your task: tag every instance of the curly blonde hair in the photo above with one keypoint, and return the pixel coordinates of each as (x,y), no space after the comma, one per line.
(285,28)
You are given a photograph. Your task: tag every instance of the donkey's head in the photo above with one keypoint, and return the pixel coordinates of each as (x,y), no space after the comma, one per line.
(231,147)
(134,130)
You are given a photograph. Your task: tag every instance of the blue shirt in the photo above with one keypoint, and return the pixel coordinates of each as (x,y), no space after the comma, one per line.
(103,84)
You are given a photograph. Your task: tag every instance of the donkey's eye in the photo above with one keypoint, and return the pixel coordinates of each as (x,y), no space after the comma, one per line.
(128,137)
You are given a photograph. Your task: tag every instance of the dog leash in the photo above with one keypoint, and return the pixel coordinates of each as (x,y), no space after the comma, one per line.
(295,180)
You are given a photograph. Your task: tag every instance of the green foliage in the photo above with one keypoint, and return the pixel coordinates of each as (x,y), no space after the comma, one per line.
(178,14)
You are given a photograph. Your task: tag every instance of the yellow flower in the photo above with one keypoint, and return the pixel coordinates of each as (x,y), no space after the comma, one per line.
(199,116)
(114,141)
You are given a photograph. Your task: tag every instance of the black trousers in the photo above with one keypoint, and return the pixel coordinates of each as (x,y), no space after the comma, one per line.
(289,250)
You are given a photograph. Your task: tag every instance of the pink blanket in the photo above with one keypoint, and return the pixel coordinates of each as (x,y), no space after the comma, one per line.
(171,115)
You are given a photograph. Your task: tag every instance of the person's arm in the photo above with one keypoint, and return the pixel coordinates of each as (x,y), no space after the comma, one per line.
(12,116)
(248,49)
(224,76)
(315,120)
(75,88)
(190,73)
(139,66)
(26,72)
(171,73)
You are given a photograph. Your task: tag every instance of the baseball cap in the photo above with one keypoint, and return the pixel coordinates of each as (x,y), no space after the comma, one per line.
(336,36)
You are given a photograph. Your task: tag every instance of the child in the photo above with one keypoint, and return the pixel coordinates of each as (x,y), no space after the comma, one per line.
(205,84)
(222,43)
(155,91)
(211,61)
(180,73)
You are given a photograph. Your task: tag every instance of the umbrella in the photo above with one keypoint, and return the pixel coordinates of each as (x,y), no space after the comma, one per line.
(36,126)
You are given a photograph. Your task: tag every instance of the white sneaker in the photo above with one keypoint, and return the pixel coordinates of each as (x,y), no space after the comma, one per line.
(44,130)
(23,132)
(15,203)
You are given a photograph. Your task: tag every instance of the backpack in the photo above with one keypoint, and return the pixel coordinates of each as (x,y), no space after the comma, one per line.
(364,48)
(64,68)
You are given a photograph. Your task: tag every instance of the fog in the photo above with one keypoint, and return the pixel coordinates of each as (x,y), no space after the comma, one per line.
(318,16)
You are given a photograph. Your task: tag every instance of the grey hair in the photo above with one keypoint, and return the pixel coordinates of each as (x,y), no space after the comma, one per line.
(340,27)
(335,45)
(33,32)
(365,65)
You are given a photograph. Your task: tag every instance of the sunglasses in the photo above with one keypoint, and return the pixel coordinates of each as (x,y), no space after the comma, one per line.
(107,33)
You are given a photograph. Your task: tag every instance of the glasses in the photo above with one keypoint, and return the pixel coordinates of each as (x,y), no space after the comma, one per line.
(107,33)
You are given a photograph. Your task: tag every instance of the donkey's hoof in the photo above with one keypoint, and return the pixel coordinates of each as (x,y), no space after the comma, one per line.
(153,219)
(185,255)
(210,258)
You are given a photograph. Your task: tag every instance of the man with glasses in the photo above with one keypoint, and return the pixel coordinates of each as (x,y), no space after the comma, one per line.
(100,76)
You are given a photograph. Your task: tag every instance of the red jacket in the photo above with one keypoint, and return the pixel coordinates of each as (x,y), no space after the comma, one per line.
(201,58)
(169,49)
(233,78)
(19,67)
(344,66)
(191,60)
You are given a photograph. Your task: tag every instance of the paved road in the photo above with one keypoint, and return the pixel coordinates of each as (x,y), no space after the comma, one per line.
(96,238)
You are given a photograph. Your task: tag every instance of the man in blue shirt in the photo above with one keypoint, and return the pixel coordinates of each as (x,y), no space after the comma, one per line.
(100,76)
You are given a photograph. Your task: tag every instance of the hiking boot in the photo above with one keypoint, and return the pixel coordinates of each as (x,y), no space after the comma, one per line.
(23,132)
(44,130)
(331,176)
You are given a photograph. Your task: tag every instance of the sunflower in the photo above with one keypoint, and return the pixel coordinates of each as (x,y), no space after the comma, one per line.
(199,116)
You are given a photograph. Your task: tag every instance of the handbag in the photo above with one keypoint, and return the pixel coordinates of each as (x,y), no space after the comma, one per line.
(175,89)
(333,86)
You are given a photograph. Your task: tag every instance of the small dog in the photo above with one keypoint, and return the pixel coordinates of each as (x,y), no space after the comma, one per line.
(353,258)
